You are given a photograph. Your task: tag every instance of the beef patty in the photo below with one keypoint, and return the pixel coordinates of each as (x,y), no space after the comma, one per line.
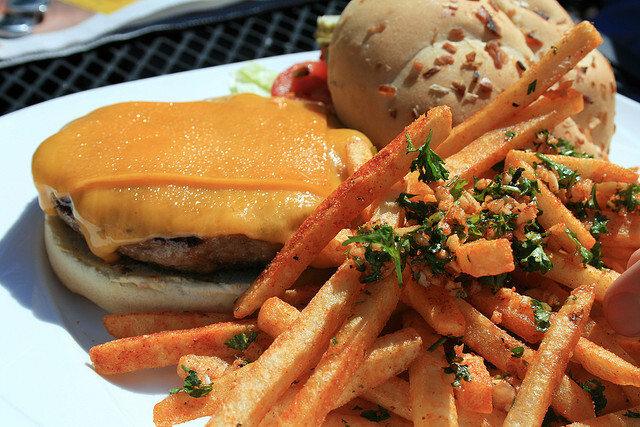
(190,253)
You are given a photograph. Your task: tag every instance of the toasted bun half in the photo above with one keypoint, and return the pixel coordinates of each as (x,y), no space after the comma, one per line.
(389,62)
(128,286)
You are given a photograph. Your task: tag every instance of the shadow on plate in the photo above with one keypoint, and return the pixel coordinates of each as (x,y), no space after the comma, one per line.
(156,381)
(25,272)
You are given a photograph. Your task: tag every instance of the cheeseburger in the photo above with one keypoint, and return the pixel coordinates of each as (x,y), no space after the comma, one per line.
(389,62)
(168,206)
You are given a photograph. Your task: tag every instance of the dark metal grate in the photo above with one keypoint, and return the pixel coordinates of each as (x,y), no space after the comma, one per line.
(275,32)
(238,36)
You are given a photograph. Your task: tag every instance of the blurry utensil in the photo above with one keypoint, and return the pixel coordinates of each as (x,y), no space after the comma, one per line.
(21,17)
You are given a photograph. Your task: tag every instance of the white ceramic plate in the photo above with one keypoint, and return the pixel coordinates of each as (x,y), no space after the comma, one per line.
(46,331)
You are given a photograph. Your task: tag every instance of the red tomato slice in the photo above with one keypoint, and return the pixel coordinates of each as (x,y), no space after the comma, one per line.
(306,80)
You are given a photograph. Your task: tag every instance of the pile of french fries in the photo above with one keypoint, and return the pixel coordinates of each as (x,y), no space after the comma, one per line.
(505,328)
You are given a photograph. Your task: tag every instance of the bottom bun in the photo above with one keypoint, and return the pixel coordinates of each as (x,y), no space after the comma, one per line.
(128,286)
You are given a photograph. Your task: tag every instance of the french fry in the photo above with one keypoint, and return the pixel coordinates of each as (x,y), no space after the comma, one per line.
(496,346)
(333,254)
(470,418)
(346,353)
(385,210)
(490,341)
(546,371)
(596,170)
(517,314)
(389,356)
(207,367)
(615,396)
(475,395)
(430,390)
(359,152)
(562,239)
(342,206)
(631,347)
(605,364)
(515,311)
(136,324)
(292,351)
(564,99)
(541,288)
(484,152)
(428,406)
(275,316)
(576,43)
(165,348)
(553,210)
(504,392)
(623,231)
(436,307)
(473,260)
(393,395)
(598,335)
(569,273)
(341,419)
(301,295)
(361,412)
(622,418)
(572,401)
(180,407)
(480,155)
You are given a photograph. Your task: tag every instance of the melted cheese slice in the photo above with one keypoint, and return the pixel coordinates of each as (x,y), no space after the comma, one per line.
(235,165)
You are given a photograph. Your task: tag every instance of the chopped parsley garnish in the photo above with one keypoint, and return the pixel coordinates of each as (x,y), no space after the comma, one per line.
(565,148)
(566,176)
(461,372)
(241,341)
(509,135)
(334,341)
(429,165)
(627,197)
(518,185)
(495,282)
(381,245)
(457,187)
(592,202)
(192,385)
(541,314)
(417,210)
(532,87)
(596,390)
(376,416)
(551,419)
(437,344)
(599,225)
(579,209)
(428,243)
(517,352)
(631,414)
(596,253)
(589,257)
(489,225)
(580,249)
(530,254)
